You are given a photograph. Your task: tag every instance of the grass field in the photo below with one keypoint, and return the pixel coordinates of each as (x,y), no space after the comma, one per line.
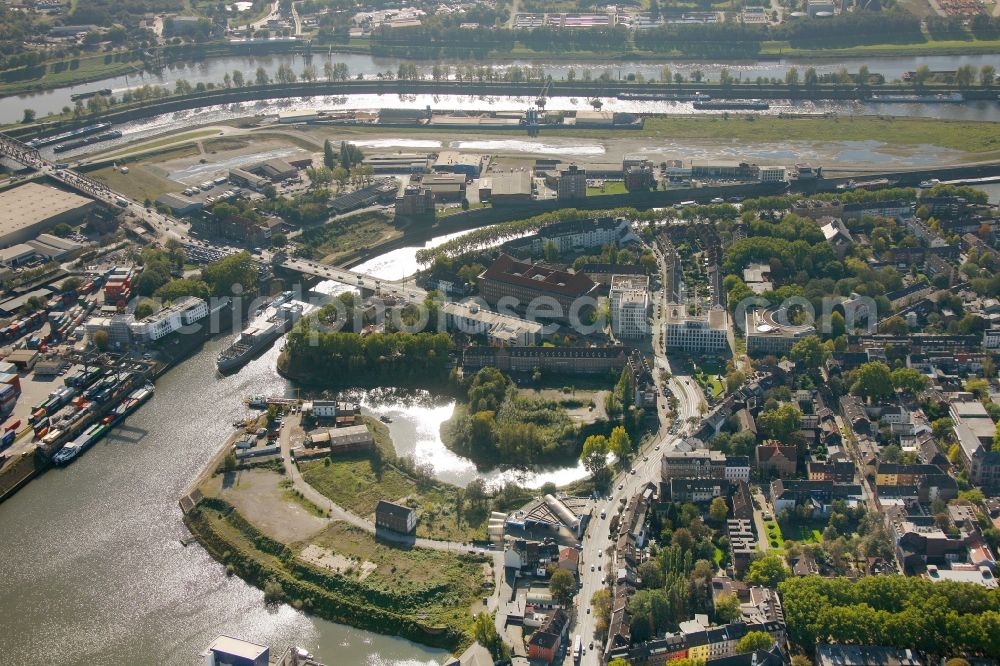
(343,236)
(357,486)
(139,183)
(613,187)
(162,141)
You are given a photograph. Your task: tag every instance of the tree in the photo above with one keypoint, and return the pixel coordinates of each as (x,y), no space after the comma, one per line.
(767,571)
(921,76)
(562,585)
(238,79)
(872,381)
(29,116)
(484,629)
(753,641)
(620,443)
(234,275)
(62,230)
(551,251)
(595,454)
(718,510)
(329,156)
(601,602)
(780,423)
(144,309)
(727,609)
(801,660)
(987,75)
(894,325)
(965,76)
(811,78)
(101,340)
(792,78)
(262,78)
(810,352)
(70,284)
(908,379)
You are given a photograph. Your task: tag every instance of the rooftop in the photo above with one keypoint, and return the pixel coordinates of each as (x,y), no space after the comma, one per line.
(32,203)
(237,647)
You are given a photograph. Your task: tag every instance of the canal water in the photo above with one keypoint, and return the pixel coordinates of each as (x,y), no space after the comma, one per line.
(92,564)
(213,70)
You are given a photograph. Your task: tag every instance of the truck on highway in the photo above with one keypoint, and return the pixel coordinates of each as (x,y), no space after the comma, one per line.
(122,202)
(577,649)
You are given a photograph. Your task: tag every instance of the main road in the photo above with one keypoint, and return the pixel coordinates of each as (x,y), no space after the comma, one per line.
(645,468)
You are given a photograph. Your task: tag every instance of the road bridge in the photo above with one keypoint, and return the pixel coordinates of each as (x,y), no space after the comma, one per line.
(168,227)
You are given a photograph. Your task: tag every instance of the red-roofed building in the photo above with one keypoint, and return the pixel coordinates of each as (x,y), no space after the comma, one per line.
(569,559)
(516,284)
(772,456)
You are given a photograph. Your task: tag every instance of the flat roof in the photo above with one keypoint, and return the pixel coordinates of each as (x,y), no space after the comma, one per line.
(16,252)
(516,182)
(27,205)
(237,647)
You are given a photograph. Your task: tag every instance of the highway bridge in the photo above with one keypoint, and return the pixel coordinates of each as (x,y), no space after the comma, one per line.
(167,227)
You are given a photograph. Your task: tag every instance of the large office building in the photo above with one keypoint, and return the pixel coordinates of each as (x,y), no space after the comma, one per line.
(516,284)
(499,329)
(183,312)
(30,209)
(697,334)
(770,331)
(629,296)
(572,183)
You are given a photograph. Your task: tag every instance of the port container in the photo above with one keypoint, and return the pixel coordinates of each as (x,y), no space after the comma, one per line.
(13,426)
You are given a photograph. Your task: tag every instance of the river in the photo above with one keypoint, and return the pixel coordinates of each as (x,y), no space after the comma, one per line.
(213,70)
(93,569)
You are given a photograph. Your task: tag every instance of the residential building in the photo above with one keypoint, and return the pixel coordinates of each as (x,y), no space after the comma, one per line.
(629,296)
(770,331)
(865,655)
(395,517)
(572,183)
(515,284)
(578,235)
(819,495)
(683,489)
(545,642)
(698,464)
(697,334)
(774,458)
(737,468)
(841,471)
(742,543)
(974,431)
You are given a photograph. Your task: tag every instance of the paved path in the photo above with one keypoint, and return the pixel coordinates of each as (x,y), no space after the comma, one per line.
(338,512)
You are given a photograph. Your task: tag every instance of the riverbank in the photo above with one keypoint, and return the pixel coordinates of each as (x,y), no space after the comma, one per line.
(349,596)
(99,67)
(270,524)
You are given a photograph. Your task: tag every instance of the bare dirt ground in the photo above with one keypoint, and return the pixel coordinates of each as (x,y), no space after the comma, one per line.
(259,496)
